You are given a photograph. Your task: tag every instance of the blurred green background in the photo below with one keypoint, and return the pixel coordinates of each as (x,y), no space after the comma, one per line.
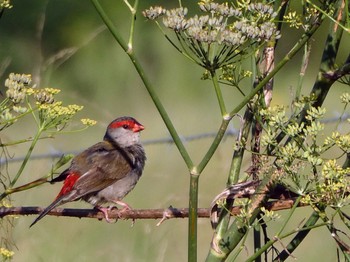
(100,76)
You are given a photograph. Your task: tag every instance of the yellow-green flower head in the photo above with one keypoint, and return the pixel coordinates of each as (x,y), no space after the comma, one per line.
(88,122)
(52,91)
(5,253)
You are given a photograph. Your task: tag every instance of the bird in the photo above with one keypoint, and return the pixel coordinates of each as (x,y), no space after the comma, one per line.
(105,172)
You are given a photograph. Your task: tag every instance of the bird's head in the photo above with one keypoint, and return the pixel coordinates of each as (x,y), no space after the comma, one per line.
(125,131)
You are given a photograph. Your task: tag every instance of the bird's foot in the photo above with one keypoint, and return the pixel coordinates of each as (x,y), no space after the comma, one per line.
(105,211)
(125,208)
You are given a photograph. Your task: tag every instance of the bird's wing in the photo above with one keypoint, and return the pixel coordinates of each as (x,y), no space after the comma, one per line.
(103,164)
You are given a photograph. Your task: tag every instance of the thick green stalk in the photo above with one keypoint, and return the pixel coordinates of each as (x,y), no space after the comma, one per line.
(229,241)
(193,201)
(192,217)
(257,240)
(235,169)
(214,145)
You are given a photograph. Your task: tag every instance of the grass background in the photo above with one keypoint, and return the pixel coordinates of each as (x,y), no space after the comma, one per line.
(100,77)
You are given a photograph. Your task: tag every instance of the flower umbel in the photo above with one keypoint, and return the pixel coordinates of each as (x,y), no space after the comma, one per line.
(334,186)
(19,101)
(222,34)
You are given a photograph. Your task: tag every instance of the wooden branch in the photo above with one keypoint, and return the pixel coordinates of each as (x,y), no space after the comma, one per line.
(133,214)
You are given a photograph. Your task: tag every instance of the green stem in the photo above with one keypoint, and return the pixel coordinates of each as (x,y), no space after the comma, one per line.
(13,143)
(192,218)
(218,93)
(257,240)
(238,154)
(30,185)
(296,203)
(147,83)
(214,145)
(26,158)
(133,19)
(305,62)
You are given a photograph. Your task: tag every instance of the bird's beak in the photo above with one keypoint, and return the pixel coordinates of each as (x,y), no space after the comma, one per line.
(138,128)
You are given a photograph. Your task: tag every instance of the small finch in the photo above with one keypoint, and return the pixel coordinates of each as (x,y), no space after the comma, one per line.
(105,172)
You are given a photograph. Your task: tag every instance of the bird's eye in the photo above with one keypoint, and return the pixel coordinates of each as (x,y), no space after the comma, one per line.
(125,126)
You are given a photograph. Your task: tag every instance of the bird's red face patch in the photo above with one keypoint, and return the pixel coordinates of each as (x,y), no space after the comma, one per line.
(68,183)
(128,124)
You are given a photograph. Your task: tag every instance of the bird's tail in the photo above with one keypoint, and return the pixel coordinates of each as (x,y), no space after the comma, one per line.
(58,201)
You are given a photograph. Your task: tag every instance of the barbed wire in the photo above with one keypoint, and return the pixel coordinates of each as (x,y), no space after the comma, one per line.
(167,140)
(149,142)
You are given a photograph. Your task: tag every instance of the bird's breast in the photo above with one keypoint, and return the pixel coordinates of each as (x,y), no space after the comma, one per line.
(116,191)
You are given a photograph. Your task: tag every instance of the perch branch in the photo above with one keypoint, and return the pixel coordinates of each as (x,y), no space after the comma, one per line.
(167,213)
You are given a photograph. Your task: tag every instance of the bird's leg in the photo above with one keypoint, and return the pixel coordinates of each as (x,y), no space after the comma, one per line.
(125,206)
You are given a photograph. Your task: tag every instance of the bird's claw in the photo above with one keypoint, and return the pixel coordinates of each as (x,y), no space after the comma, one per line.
(125,208)
(105,211)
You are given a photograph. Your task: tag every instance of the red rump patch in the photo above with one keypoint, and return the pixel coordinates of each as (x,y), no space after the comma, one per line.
(129,124)
(68,184)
